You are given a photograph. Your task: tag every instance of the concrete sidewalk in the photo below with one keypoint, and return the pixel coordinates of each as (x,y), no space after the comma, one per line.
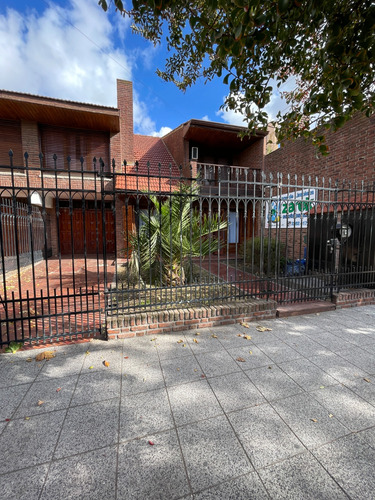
(289,413)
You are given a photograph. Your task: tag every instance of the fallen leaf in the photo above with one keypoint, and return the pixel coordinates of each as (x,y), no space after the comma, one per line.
(45,355)
(330,415)
(87,353)
(250,352)
(203,376)
(247,337)
(7,420)
(58,389)
(321,387)
(183,345)
(29,360)
(178,369)
(241,359)
(91,367)
(126,357)
(270,367)
(245,325)
(153,339)
(196,341)
(214,336)
(366,380)
(40,402)
(179,341)
(196,333)
(314,419)
(195,369)
(27,418)
(106,363)
(263,329)
(151,443)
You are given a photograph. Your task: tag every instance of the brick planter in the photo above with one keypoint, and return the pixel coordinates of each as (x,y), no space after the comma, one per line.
(174,320)
(353,298)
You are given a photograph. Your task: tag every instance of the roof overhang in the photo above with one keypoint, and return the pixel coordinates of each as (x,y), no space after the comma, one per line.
(45,110)
(213,133)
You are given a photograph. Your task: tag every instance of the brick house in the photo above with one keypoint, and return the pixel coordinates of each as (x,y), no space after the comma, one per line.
(69,135)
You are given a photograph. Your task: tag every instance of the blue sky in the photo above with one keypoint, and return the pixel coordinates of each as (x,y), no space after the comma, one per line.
(71,49)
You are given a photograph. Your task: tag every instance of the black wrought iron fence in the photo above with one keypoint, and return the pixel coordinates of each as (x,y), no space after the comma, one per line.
(113,240)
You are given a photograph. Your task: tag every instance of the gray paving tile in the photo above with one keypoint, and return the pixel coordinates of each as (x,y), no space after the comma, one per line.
(367,437)
(279,352)
(169,346)
(144,413)
(94,361)
(273,383)
(217,363)
(87,476)
(260,338)
(88,427)
(330,341)
(19,371)
(243,488)
(232,336)
(263,434)
(338,368)
(151,472)
(253,356)
(63,365)
(360,358)
(348,407)
(300,477)
(364,388)
(351,464)
(204,342)
(236,391)
(192,402)
(180,370)
(307,375)
(141,377)
(10,398)
(55,394)
(24,443)
(97,386)
(305,345)
(309,420)
(212,452)
(25,485)
(141,349)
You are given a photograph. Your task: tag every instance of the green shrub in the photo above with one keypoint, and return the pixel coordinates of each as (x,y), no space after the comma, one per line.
(274,260)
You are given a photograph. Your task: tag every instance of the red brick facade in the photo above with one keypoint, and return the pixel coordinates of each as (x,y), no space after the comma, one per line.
(351,158)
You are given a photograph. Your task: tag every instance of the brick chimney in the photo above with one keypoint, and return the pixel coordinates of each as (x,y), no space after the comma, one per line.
(122,144)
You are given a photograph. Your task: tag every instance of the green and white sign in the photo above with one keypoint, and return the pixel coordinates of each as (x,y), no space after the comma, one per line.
(290,209)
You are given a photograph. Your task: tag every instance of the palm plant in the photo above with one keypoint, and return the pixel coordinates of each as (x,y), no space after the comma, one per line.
(172,232)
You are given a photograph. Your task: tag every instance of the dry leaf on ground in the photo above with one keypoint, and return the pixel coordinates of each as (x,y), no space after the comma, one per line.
(214,336)
(196,341)
(40,402)
(314,419)
(106,363)
(196,333)
(179,341)
(29,360)
(151,443)
(247,337)
(330,415)
(246,325)
(58,389)
(241,359)
(45,355)
(263,329)
(366,380)
(91,367)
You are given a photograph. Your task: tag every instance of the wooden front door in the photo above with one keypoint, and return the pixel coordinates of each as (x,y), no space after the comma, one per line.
(74,233)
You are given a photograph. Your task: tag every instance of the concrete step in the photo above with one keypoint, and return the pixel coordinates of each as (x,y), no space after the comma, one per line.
(299,308)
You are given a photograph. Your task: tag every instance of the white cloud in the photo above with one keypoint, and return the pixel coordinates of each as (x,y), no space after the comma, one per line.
(277,103)
(69,53)
(205,118)
(162,132)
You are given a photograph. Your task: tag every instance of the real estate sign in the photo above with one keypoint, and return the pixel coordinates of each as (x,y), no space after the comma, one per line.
(290,209)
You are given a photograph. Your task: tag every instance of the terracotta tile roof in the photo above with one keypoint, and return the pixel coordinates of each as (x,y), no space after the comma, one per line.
(152,150)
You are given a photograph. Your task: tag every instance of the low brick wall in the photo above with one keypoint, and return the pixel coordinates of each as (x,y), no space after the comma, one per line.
(353,298)
(174,320)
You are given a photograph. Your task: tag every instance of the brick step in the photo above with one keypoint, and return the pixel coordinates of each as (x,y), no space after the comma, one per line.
(299,308)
